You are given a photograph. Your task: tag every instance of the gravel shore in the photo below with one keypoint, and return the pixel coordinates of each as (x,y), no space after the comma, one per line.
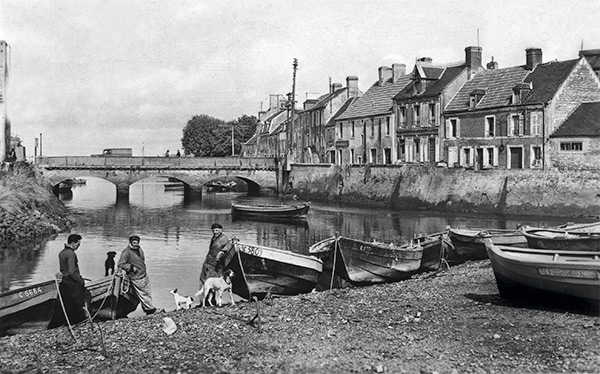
(452,321)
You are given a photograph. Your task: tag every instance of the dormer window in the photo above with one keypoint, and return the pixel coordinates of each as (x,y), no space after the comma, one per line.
(520,92)
(475,97)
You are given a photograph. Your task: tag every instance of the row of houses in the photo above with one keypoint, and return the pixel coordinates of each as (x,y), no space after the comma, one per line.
(536,115)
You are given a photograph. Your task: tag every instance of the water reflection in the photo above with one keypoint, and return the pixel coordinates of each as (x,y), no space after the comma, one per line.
(176,234)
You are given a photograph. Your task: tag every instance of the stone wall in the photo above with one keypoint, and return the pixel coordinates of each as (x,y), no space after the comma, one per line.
(403,187)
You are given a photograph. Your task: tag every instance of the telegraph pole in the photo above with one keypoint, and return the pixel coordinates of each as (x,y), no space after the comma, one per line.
(293,105)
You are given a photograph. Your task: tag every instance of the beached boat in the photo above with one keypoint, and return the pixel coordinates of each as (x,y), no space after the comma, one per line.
(467,244)
(270,212)
(261,270)
(361,262)
(525,273)
(32,307)
(569,238)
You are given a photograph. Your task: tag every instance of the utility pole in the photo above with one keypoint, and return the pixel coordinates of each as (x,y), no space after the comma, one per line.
(232,142)
(293,105)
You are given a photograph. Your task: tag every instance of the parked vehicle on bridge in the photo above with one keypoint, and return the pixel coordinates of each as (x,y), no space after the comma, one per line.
(115,152)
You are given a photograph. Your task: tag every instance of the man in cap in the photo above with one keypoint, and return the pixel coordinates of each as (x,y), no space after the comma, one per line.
(133,262)
(219,245)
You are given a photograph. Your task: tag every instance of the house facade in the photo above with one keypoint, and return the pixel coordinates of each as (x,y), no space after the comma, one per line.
(418,107)
(365,132)
(262,143)
(503,117)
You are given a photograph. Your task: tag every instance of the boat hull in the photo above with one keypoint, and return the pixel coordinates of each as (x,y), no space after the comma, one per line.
(565,240)
(270,212)
(468,244)
(561,276)
(260,271)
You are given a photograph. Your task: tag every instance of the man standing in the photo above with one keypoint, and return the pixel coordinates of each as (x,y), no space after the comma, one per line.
(219,245)
(133,262)
(75,297)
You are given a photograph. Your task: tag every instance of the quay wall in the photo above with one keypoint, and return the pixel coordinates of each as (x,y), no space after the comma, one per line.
(408,187)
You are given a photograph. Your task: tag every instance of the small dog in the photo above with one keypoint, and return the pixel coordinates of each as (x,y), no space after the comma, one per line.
(109,264)
(182,302)
(218,286)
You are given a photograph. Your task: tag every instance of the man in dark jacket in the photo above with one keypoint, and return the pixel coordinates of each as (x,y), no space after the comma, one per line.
(219,245)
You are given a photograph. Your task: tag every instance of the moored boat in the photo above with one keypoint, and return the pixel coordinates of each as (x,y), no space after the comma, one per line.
(563,276)
(32,307)
(576,238)
(270,212)
(361,262)
(467,244)
(261,270)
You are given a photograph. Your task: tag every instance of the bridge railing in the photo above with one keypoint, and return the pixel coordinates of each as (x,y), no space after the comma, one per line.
(150,162)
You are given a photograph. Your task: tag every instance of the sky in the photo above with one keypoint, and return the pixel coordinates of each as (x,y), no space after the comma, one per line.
(97,74)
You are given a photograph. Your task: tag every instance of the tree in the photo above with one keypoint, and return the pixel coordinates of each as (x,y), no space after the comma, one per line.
(203,136)
(244,128)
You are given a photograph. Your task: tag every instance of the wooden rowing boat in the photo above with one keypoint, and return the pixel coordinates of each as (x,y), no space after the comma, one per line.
(526,273)
(261,270)
(270,212)
(361,262)
(569,238)
(32,307)
(467,244)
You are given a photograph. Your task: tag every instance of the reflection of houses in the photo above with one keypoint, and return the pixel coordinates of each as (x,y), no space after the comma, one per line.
(311,124)
(503,117)
(365,132)
(417,107)
(576,142)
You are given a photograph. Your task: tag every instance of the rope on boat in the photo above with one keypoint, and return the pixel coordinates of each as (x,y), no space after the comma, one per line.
(62,304)
(335,248)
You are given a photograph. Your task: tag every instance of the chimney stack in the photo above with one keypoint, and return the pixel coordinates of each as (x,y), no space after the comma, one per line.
(334,87)
(533,58)
(426,60)
(385,73)
(352,84)
(398,70)
(492,65)
(473,57)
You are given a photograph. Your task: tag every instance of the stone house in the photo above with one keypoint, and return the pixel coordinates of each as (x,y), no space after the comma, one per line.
(261,144)
(417,108)
(503,117)
(365,132)
(575,145)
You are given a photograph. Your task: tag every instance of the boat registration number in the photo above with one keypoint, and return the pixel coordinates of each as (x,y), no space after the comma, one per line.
(571,273)
(30,292)
(250,250)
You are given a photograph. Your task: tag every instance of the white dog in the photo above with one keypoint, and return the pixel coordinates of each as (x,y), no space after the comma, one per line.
(182,301)
(218,286)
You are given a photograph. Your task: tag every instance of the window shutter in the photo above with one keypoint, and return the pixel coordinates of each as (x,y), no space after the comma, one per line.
(458,128)
(495,156)
(437,114)
(447,129)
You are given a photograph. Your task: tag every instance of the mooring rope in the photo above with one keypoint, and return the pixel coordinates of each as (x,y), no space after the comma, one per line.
(62,304)
(335,248)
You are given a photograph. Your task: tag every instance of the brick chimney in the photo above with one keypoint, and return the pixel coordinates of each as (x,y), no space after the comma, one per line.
(385,73)
(426,60)
(398,70)
(334,87)
(473,57)
(492,65)
(533,58)
(352,84)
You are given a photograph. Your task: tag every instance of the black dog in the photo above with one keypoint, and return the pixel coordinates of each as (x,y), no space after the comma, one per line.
(109,264)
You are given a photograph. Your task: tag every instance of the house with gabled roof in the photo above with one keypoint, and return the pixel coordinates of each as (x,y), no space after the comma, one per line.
(309,132)
(268,121)
(575,144)
(365,131)
(417,107)
(503,117)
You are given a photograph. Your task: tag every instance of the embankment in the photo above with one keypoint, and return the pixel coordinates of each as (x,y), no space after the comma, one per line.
(404,187)
(28,209)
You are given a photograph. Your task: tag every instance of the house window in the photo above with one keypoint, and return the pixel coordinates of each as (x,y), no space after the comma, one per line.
(417,149)
(536,123)
(515,125)
(341,129)
(402,114)
(490,126)
(416,115)
(339,157)
(402,150)
(387,154)
(490,156)
(432,114)
(353,129)
(387,125)
(467,157)
(373,128)
(571,146)
(352,156)
(452,128)
(373,155)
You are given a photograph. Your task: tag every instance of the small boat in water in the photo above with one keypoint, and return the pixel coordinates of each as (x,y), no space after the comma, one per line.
(568,238)
(220,186)
(468,244)
(361,262)
(546,275)
(32,307)
(260,271)
(271,212)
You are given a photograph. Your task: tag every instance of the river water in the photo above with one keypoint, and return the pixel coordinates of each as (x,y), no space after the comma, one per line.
(175,234)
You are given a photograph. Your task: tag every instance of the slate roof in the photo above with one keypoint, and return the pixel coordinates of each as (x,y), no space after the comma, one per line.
(342,109)
(431,72)
(584,121)
(592,56)
(434,88)
(377,100)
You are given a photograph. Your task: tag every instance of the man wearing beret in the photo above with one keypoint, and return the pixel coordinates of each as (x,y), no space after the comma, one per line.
(219,245)
(133,262)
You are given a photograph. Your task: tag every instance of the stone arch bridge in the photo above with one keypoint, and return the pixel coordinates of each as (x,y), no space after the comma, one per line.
(194,172)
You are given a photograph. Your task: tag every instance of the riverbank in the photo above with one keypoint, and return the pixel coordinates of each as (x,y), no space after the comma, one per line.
(573,193)
(449,322)
(29,210)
